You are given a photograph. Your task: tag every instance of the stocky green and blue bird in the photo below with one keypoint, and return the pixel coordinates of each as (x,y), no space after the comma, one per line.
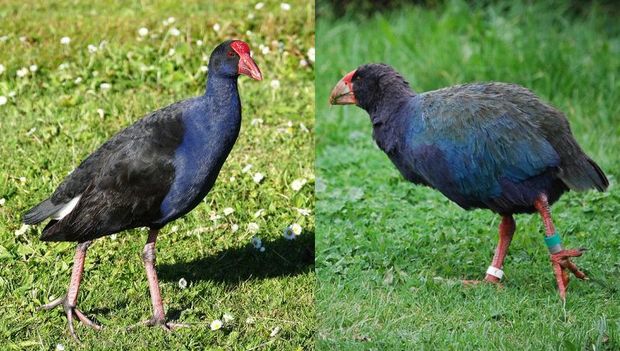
(493,146)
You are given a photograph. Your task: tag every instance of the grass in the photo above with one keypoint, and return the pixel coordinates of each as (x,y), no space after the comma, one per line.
(56,116)
(390,255)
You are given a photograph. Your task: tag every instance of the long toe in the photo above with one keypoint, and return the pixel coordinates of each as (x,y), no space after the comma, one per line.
(70,312)
(562,265)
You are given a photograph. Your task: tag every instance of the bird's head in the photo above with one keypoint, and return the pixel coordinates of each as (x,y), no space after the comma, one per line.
(232,58)
(368,86)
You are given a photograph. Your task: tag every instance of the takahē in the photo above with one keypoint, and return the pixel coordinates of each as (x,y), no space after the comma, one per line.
(483,145)
(149,174)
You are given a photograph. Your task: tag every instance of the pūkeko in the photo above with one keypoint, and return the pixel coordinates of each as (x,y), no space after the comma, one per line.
(483,145)
(149,174)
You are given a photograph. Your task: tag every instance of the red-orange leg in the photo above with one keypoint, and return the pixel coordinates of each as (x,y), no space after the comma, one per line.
(560,258)
(506,231)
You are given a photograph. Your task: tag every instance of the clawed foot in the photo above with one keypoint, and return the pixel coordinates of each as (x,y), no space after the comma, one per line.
(562,264)
(167,326)
(70,311)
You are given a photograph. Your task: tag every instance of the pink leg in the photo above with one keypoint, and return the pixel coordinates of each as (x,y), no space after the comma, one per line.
(69,301)
(148,257)
(560,259)
(506,231)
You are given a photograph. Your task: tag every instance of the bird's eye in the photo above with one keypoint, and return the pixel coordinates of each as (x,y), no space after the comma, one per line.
(231,54)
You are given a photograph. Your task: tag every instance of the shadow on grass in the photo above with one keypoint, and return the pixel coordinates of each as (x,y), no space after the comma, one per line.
(281,258)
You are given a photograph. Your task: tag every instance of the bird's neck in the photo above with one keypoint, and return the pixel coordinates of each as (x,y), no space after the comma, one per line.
(387,120)
(221,100)
(384,112)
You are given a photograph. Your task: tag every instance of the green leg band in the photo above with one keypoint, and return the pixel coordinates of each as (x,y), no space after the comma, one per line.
(554,243)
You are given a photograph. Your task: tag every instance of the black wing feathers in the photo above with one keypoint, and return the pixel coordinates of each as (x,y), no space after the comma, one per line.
(123,183)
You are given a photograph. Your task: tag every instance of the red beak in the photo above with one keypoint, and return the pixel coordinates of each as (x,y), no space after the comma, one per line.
(343,94)
(248,67)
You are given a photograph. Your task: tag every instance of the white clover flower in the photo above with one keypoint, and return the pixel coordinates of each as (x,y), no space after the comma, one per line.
(22,230)
(205,58)
(216,324)
(143,32)
(296,228)
(12,93)
(251,16)
(253,229)
(258,177)
(23,39)
(175,228)
(248,33)
(288,233)
(216,27)
(256,121)
(60,347)
(171,20)
(234,228)
(275,84)
(297,184)
(100,112)
(303,63)
(214,216)
(22,179)
(228,211)
(92,48)
(2,69)
(78,80)
(264,49)
(199,42)
(105,86)
(171,52)
(250,320)
(22,72)
(65,40)
(3,100)
(114,236)
(232,179)
(2,201)
(174,32)
(311,54)
(259,5)
(292,231)
(257,242)
(228,317)
(204,69)
(247,168)
(4,38)
(63,65)
(285,6)
(275,331)
(182,283)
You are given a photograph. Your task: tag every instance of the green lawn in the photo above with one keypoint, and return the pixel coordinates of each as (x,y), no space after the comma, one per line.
(390,255)
(58,114)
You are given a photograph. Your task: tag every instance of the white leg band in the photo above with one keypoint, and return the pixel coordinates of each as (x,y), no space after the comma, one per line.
(496,272)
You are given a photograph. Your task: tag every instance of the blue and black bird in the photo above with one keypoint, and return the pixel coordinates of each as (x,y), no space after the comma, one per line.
(494,146)
(149,174)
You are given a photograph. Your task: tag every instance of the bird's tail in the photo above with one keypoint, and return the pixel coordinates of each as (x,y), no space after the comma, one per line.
(41,212)
(583,173)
